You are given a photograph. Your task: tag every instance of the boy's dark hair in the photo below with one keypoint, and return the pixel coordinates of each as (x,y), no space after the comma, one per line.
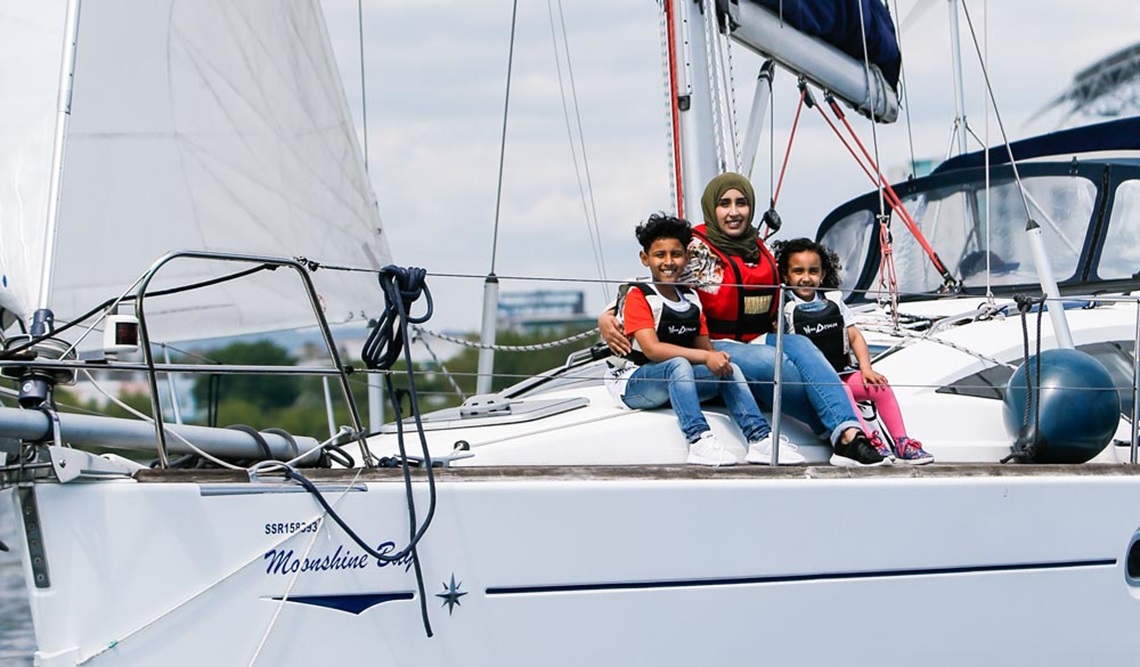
(828,260)
(663,226)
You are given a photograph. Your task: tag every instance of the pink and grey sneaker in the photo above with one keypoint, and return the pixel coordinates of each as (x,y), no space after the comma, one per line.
(881,447)
(910,451)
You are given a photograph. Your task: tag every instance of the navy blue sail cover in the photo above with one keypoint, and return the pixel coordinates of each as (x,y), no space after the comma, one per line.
(837,23)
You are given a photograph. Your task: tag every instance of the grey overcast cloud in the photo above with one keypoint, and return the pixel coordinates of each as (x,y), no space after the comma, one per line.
(435,74)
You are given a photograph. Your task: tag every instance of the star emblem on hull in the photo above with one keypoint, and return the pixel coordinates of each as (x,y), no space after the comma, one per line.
(451,594)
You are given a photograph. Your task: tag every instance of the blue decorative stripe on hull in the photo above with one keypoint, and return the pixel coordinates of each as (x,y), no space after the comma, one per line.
(353,604)
(787,578)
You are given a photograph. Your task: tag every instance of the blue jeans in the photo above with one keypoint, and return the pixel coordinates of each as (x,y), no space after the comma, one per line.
(685,385)
(812,390)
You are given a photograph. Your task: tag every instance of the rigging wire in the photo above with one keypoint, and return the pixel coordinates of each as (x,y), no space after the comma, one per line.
(887,191)
(791,140)
(715,81)
(887,277)
(906,99)
(997,114)
(958,130)
(731,88)
(586,193)
(507,348)
(439,364)
(312,541)
(363,94)
(986,157)
(503,138)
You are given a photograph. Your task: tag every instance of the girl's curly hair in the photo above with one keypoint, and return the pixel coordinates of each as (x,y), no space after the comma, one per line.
(828,260)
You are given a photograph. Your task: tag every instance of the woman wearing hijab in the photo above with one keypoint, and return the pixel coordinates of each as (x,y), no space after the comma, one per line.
(735,276)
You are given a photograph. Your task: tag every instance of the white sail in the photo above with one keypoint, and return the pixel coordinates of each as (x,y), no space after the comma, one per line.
(205,125)
(28,95)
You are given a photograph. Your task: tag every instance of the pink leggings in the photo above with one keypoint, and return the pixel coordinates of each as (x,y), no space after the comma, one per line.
(884,399)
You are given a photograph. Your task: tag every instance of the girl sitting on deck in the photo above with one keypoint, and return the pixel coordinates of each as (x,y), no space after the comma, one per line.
(809,268)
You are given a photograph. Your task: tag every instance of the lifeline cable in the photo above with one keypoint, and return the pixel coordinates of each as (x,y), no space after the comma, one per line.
(115,301)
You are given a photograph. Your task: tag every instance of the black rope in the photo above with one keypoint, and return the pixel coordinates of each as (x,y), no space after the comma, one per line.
(336,454)
(1037,381)
(266,453)
(389,337)
(1028,441)
(296,451)
(386,341)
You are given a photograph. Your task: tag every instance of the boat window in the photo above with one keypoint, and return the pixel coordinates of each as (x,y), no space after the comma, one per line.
(1121,256)
(988,383)
(953,221)
(991,382)
(851,240)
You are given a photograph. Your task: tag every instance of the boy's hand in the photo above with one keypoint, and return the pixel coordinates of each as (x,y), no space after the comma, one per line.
(719,363)
(612,335)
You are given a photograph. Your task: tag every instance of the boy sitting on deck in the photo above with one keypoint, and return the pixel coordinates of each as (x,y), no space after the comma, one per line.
(673,361)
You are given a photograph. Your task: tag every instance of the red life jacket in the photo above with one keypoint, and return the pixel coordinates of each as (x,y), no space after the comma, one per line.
(740,313)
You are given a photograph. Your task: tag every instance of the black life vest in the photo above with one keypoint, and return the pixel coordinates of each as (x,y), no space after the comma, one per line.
(821,320)
(679,327)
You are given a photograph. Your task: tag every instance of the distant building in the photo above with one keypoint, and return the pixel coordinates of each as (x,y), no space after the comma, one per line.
(544,309)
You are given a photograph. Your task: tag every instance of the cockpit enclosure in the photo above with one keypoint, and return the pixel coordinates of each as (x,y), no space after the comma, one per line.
(1087,210)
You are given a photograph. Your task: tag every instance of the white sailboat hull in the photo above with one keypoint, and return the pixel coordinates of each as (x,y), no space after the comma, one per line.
(600,566)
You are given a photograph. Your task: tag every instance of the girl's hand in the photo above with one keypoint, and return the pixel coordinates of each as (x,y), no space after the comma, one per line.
(870,377)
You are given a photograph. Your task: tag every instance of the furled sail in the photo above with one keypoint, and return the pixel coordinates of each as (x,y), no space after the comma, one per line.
(195,124)
(848,47)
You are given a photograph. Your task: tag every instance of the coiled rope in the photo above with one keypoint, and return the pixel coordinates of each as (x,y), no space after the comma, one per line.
(388,339)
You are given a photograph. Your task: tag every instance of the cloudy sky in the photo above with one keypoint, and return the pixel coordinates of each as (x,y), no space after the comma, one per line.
(435,74)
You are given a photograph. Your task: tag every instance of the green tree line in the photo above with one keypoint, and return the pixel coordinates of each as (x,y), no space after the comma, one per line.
(297,403)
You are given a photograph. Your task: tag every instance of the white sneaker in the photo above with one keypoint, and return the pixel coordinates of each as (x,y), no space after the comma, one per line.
(761,452)
(707,451)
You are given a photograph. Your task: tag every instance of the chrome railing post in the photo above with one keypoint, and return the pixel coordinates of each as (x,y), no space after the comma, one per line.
(314,302)
(1135,382)
(777,402)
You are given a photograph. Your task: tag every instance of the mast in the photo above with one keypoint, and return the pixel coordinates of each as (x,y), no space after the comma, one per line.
(694,103)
